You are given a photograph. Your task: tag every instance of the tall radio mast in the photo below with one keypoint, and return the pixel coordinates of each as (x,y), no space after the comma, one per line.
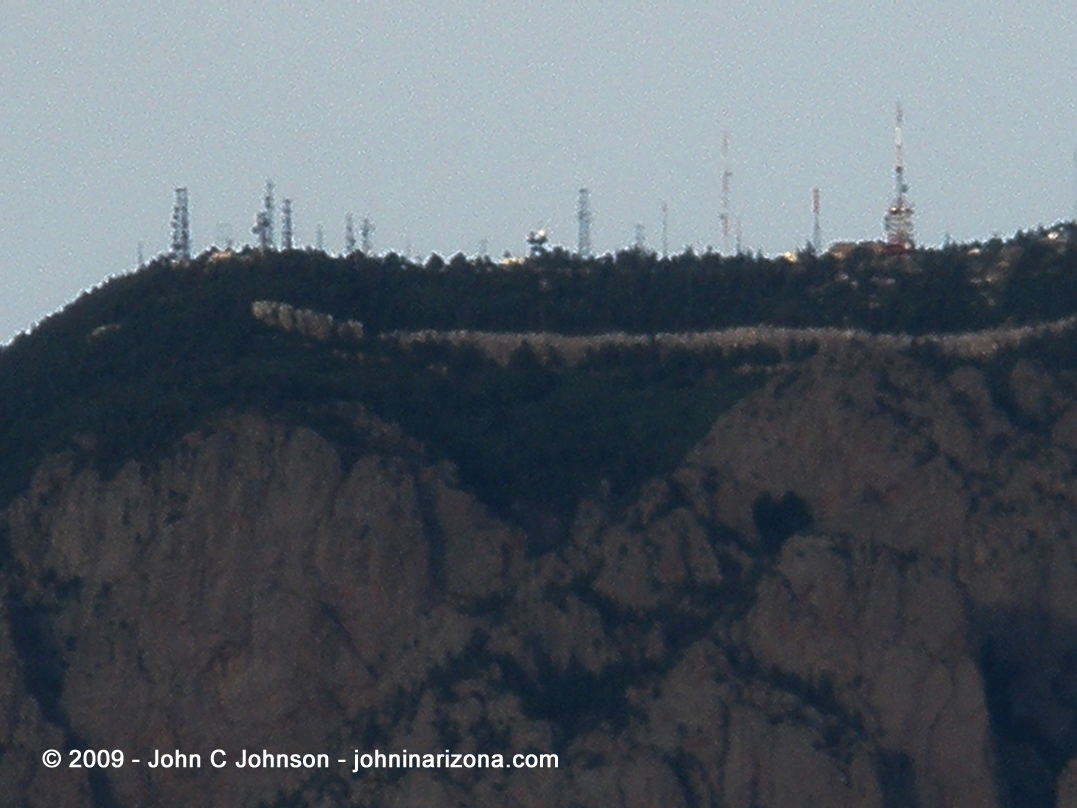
(726,176)
(584,219)
(665,230)
(1075,185)
(286,233)
(898,219)
(181,226)
(816,230)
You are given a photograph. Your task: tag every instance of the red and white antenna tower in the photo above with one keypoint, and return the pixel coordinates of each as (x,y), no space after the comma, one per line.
(726,175)
(898,219)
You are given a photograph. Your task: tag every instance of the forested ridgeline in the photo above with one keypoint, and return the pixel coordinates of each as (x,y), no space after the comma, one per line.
(131,366)
(1030,279)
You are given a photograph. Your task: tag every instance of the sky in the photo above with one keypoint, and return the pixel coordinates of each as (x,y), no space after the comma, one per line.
(457,126)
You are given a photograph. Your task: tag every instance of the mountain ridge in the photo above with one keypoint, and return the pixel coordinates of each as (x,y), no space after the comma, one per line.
(731,577)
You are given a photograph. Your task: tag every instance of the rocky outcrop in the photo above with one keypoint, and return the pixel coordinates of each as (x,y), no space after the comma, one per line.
(858,590)
(787,343)
(308,323)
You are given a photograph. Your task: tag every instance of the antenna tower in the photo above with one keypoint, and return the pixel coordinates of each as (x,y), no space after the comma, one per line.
(366,230)
(319,238)
(286,225)
(181,226)
(1075,185)
(726,176)
(816,231)
(665,230)
(898,219)
(584,218)
(268,210)
(639,238)
(349,234)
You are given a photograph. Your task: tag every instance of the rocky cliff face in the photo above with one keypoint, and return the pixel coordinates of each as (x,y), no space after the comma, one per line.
(859,590)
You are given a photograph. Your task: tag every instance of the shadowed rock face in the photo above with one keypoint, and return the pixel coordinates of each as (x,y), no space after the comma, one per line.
(858,590)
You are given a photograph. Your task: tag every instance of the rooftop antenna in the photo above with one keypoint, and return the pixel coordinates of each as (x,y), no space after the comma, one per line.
(584,218)
(286,225)
(726,176)
(816,230)
(181,226)
(898,219)
(665,230)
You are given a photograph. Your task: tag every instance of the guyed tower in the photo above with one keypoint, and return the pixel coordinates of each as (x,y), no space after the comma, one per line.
(898,219)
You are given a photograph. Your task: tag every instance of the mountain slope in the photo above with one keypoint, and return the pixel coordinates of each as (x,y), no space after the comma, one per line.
(836,573)
(857,590)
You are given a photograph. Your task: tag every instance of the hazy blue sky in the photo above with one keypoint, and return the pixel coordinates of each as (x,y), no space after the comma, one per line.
(450,123)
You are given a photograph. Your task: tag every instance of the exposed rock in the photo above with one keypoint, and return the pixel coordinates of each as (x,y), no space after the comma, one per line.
(849,594)
(312,324)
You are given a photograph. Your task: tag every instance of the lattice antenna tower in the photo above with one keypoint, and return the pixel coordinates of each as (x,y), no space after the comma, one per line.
(181,226)
(366,231)
(898,219)
(319,238)
(349,234)
(286,232)
(584,219)
(727,175)
(270,221)
(816,230)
